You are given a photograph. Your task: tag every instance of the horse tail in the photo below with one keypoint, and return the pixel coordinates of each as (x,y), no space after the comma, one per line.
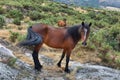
(32,38)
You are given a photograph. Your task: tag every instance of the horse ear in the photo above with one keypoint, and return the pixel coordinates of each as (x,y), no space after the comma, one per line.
(83,23)
(90,24)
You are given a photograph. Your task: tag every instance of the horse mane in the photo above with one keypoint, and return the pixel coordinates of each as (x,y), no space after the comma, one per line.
(74,33)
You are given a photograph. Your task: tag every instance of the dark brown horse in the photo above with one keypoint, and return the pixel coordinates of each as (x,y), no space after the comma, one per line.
(62,38)
(62,23)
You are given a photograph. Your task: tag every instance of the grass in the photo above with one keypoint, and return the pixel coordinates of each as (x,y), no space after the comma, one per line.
(12,61)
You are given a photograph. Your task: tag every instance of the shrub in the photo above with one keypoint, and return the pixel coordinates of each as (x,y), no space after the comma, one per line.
(13,36)
(113,37)
(35,15)
(69,11)
(101,24)
(47,8)
(15,14)
(2,21)
(98,39)
(109,20)
(81,16)
(12,61)
(17,21)
(105,57)
(2,11)
(92,14)
(21,38)
(107,39)
(20,28)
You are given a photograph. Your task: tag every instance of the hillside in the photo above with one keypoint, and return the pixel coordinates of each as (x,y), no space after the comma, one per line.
(104,41)
(112,3)
(84,3)
(21,68)
(92,3)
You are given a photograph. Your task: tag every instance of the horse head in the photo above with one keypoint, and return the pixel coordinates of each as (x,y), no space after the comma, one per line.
(84,32)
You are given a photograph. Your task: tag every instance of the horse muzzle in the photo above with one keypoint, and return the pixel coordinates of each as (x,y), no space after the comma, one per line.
(84,43)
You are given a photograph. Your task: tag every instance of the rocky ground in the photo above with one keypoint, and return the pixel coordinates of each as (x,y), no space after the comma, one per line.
(14,65)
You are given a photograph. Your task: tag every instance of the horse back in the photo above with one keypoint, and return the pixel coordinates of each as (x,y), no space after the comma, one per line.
(41,29)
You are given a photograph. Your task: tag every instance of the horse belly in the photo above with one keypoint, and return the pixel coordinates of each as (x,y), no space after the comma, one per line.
(54,42)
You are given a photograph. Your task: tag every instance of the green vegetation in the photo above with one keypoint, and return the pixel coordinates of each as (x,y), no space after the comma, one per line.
(17,21)
(21,38)
(35,15)
(15,14)
(12,61)
(15,36)
(2,21)
(2,11)
(105,31)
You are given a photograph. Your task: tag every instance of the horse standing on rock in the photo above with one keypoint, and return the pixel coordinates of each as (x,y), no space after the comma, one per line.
(61,38)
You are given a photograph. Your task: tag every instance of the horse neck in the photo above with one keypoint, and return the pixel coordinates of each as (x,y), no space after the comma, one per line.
(74,33)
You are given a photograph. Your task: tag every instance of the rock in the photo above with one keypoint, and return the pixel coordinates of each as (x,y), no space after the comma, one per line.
(20,70)
(6,52)
(94,72)
(54,78)
(46,60)
(9,20)
(7,73)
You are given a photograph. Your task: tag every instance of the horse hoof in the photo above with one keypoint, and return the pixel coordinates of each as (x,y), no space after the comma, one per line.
(38,68)
(67,70)
(58,64)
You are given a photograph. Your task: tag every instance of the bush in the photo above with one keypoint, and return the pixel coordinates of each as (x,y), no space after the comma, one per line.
(98,39)
(113,37)
(2,21)
(81,16)
(2,11)
(12,61)
(107,39)
(21,38)
(15,14)
(110,20)
(69,11)
(101,24)
(13,36)
(92,14)
(35,15)
(47,8)
(17,21)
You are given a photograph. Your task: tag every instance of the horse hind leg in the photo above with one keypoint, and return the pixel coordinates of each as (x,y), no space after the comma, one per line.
(63,55)
(37,64)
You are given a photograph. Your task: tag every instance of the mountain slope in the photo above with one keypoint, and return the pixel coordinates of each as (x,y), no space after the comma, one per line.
(92,3)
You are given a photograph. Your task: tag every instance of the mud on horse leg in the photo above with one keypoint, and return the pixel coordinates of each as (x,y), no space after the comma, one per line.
(63,55)
(37,64)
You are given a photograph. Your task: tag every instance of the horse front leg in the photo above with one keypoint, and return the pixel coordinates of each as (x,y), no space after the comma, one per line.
(37,64)
(67,62)
(63,55)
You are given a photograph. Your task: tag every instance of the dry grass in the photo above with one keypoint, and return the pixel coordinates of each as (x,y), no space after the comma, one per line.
(5,33)
(80,10)
(86,56)
(23,58)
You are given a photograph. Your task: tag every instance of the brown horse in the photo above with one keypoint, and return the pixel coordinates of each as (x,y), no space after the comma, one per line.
(62,23)
(62,38)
